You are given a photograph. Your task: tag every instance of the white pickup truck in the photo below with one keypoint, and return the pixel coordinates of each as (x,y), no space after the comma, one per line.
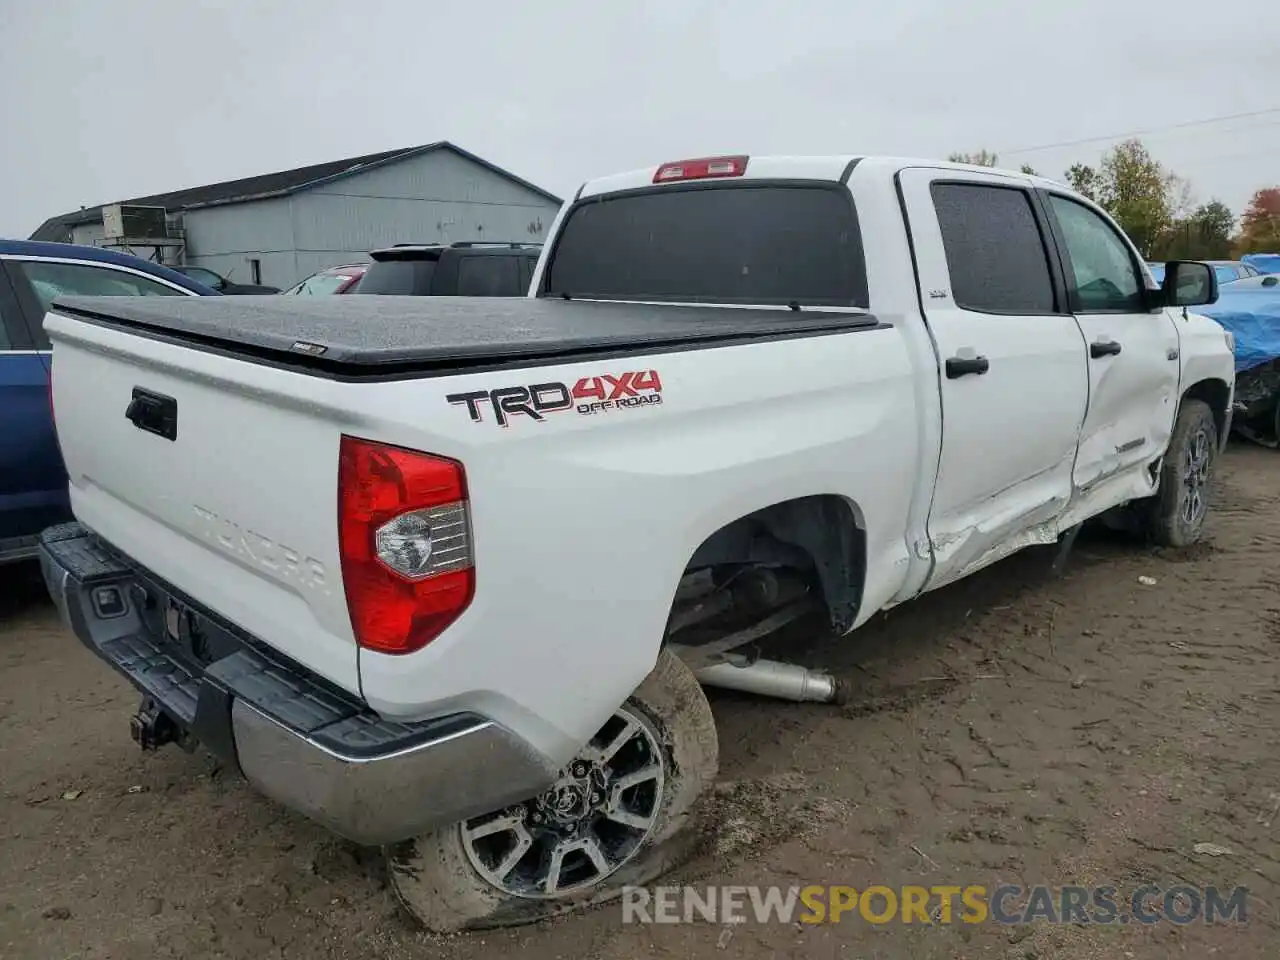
(443,574)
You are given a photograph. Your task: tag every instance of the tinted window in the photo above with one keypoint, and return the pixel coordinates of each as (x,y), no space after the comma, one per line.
(717,244)
(995,254)
(488,276)
(1106,277)
(398,277)
(52,280)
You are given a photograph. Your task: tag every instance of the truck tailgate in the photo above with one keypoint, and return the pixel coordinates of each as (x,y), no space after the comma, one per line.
(220,474)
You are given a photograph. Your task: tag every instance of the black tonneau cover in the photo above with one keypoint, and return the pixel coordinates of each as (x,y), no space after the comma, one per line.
(370,334)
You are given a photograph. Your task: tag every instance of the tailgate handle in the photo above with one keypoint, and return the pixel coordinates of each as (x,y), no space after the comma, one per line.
(154,413)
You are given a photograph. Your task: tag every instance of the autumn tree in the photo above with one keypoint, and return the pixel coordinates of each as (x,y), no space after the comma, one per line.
(1260,223)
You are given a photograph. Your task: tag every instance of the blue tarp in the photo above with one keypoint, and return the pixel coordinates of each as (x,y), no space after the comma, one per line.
(1264,262)
(1252,315)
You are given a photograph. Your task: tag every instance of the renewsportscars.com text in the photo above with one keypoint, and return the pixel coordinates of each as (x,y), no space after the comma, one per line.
(939,904)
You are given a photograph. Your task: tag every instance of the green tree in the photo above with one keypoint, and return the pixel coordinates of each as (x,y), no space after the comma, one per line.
(1135,189)
(1086,181)
(1204,234)
(983,158)
(1137,192)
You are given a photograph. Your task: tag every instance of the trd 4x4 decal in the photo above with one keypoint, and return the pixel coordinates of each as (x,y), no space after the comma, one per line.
(590,395)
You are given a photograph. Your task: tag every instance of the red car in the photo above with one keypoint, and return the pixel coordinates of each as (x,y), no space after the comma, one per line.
(333,280)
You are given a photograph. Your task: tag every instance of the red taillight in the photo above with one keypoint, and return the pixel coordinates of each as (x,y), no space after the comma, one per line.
(405,541)
(701,169)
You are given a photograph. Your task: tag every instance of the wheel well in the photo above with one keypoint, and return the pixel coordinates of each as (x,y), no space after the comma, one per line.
(818,535)
(1217,395)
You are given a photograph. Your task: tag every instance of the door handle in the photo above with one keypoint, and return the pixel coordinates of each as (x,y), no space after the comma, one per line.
(963,366)
(1103,348)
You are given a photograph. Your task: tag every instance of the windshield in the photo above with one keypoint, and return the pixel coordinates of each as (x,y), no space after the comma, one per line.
(752,243)
(322,283)
(397,277)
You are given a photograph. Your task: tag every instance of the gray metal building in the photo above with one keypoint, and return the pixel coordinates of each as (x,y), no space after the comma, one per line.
(278,228)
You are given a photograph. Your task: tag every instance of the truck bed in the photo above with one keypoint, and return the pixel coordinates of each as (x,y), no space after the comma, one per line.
(368,336)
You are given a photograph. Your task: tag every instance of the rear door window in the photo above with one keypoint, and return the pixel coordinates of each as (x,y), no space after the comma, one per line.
(488,276)
(995,254)
(756,242)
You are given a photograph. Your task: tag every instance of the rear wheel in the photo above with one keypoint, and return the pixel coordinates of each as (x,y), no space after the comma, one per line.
(620,814)
(1178,511)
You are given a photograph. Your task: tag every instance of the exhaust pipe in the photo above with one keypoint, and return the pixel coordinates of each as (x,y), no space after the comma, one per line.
(771,678)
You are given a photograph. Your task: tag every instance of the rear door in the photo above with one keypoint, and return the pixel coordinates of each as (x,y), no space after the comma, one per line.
(1012,371)
(33,489)
(1133,354)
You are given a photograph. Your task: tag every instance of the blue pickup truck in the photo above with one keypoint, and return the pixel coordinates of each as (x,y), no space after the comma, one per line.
(33,482)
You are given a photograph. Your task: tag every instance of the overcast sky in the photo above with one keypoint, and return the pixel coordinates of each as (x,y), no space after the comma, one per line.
(104,101)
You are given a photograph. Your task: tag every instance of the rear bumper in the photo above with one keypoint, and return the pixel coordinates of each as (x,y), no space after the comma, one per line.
(298,739)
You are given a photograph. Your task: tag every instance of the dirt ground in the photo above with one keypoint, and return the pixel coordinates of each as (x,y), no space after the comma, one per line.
(1013,728)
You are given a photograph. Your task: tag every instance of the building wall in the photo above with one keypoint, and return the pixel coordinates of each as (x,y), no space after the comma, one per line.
(225,239)
(437,197)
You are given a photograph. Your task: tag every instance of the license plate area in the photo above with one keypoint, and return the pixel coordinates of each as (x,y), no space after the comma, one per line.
(181,627)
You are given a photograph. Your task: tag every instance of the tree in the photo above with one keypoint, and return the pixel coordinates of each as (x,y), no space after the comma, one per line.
(982,158)
(1205,234)
(1132,186)
(1136,191)
(985,158)
(1260,223)
(1086,181)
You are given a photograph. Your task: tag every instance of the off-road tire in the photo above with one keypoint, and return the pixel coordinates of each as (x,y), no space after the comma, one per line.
(434,879)
(1167,522)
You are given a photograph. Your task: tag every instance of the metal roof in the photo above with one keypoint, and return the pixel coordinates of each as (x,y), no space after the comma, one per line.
(266,185)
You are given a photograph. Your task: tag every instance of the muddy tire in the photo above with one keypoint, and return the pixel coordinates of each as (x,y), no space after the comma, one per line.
(461,877)
(1176,514)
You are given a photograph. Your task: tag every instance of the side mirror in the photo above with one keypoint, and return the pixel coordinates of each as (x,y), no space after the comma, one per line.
(1189,283)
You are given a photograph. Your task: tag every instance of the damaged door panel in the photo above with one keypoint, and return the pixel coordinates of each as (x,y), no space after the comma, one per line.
(1132,358)
(1012,375)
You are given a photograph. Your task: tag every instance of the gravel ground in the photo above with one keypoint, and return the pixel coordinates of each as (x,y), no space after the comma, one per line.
(1013,728)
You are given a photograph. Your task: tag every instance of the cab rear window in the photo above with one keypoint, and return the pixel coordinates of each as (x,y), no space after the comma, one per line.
(751,243)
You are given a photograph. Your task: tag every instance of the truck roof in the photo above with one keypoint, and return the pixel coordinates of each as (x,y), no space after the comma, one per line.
(359,337)
(834,167)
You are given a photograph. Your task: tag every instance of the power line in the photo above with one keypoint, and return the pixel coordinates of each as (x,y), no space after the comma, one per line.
(1143,133)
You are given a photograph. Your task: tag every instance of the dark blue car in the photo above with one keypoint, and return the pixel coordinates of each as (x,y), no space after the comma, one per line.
(33,481)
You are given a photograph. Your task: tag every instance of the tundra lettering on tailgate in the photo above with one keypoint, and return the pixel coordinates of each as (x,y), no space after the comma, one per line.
(285,562)
(590,395)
